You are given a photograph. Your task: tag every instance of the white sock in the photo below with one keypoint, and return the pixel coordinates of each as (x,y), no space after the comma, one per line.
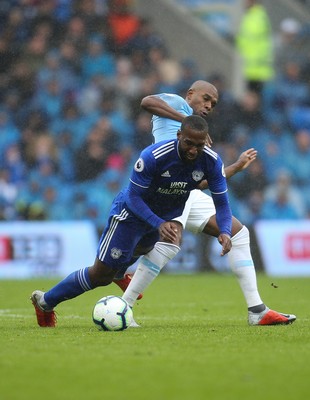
(241,263)
(148,268)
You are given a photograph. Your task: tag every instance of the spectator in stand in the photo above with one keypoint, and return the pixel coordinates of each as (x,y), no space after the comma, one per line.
(188,74)
(44,150)
(93,13)
(253,179)
(88,97)
(123,24)
(101,193)
(21,78)
(18,111)
(299,117)
(254,42)
(7,57)
(149,84)
(97,60)
(280,208)
(91,157)
(53,68)
(291,44)
(289,90)
(119,120)
(8,195)
(44,24)
(35,50)
(248,113)
(50,99)
(15,28)
(298,158)
(223,117)
(167,68)
(272,156)
(275,130)
(144,39)
(142,137)
(284,184)
(71,121)
(14,165)
(70,57)
(27,195)
(55,203)
(45,173)
(66,156)
(76,33)
(9,133)
(127,84)
(251,209)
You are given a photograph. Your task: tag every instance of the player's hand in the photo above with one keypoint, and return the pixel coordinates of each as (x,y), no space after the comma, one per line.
(170,232)
(246,158)
(225,241)
(203,185)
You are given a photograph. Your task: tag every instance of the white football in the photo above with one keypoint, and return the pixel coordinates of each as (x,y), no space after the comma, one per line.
(112,313)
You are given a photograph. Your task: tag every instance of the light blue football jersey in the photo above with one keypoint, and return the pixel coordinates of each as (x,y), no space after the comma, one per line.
(165,128)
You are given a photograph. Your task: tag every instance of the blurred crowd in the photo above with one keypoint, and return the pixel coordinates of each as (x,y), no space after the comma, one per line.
(72,75)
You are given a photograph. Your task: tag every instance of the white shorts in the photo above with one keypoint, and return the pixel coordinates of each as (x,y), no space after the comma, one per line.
(197,211)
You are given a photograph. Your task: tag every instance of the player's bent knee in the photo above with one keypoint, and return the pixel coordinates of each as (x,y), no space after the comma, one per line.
(236,226)
(169,250)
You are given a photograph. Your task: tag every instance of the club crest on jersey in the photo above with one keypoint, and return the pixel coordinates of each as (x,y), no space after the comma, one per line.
(116,253)
(197,175)
(139,165)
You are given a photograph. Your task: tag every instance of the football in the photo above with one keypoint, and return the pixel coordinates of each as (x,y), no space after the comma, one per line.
(112,313)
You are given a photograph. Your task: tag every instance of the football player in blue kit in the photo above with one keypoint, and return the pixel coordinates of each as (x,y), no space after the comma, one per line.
(200,215)
(144,214)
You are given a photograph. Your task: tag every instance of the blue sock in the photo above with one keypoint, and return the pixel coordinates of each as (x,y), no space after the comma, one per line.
(72,286)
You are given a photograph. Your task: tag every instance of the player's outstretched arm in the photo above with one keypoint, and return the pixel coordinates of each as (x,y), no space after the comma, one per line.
(244,160)
(156,106)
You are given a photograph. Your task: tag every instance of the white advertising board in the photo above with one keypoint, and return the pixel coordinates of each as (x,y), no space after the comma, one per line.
(285,247)
(45,249)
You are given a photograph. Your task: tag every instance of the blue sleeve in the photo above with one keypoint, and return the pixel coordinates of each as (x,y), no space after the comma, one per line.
(218,189)
(136,204)
(223,212)
(140,181)
(217,178)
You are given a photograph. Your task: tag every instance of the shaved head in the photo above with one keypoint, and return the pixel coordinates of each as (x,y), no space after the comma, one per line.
(204,86)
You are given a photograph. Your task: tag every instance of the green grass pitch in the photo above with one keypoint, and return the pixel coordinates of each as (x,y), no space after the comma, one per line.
(194,343)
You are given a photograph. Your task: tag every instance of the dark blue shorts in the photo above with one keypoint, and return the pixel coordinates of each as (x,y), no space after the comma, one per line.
(122,234)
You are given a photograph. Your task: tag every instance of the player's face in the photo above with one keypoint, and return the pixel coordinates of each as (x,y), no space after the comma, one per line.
(191,144)
(202,100)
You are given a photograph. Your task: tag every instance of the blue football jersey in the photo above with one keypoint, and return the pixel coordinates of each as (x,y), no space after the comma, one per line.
(165,128)
(162,181)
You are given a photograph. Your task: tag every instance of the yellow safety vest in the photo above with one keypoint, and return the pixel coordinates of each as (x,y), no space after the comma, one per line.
(254,42)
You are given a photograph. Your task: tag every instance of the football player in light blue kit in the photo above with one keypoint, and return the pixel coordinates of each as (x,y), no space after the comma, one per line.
(199,215)
(143,214)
